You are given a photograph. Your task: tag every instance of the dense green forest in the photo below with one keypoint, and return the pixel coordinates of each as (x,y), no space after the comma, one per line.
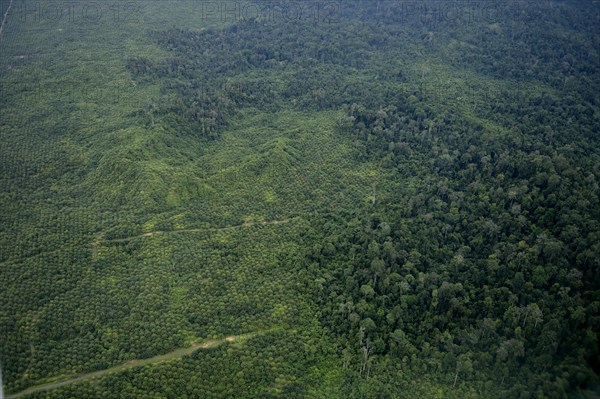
(387,199)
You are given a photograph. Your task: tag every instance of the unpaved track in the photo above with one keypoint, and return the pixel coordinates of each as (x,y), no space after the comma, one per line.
(176,354)
(5,16)
(151,233)
(100,241)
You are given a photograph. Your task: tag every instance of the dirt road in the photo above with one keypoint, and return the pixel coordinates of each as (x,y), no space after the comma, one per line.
(176,354)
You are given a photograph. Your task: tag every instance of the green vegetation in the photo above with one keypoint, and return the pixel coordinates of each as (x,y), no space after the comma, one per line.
(385,203)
